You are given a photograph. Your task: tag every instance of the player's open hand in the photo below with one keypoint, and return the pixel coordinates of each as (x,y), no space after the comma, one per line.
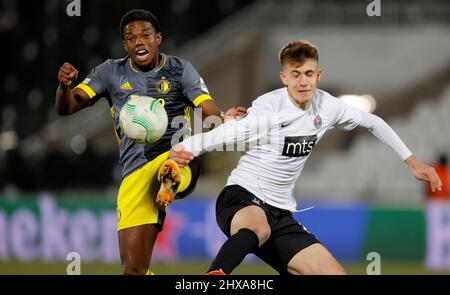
(235,113)
(425,173)
(67,73)
(180,155)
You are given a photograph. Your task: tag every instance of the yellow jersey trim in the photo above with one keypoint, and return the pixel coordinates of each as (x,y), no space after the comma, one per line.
(201,98)
(113,110)
(163,64)
(131,65)
(187,116)
(156,70)
(91,93)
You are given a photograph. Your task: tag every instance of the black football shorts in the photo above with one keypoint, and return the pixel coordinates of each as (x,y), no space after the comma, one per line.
(288,237)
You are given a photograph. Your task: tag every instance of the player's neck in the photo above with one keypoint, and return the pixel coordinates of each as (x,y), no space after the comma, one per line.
(303,106)
(151,66)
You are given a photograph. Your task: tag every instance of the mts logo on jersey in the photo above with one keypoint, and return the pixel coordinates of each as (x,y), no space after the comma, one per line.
(298,146)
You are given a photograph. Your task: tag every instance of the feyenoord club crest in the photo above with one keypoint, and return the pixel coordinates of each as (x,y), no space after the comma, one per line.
(317,121)
(163,86)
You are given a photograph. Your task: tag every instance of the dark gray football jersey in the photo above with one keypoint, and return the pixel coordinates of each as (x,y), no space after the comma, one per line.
(176,84)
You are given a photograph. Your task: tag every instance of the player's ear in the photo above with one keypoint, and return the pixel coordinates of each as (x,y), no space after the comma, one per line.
(283,78)
(319,74)
(158,38)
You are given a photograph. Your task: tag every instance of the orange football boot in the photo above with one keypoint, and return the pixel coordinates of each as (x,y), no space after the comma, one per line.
(170,178)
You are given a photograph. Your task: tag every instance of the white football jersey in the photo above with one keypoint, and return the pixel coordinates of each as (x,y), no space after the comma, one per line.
(279,138)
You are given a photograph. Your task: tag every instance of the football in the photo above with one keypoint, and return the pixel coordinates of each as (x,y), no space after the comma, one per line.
(143,119)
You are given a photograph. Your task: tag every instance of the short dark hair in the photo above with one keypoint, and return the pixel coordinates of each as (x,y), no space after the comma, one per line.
(297,52)
(139,14)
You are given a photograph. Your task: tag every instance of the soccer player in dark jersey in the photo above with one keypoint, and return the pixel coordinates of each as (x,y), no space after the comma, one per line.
(179,87)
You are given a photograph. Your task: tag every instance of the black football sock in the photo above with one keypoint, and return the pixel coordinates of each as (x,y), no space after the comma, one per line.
(234,250)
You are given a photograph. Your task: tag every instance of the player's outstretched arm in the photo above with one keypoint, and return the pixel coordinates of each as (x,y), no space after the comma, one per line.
(67,100)
(246,131)
(424,172)
(387,135)
(209,108)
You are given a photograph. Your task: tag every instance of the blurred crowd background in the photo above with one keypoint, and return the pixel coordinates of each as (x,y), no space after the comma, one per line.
(397,52)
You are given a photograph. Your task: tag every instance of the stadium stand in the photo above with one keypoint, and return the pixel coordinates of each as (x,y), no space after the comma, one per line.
(241,39)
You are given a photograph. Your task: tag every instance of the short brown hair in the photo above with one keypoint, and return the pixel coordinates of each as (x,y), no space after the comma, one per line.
(297,52)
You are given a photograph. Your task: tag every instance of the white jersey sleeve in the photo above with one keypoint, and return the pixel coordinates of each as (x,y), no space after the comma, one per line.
(385,134)
(348,117)
(248,130)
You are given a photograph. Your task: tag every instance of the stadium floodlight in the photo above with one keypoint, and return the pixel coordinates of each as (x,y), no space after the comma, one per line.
(365,102)
(8,140)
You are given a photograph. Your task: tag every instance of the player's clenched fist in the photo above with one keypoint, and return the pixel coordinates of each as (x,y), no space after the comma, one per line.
(67,73)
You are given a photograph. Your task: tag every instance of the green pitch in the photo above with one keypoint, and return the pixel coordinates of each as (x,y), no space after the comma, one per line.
(199,267)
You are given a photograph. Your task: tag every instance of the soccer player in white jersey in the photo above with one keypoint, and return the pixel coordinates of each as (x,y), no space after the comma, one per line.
(255,208)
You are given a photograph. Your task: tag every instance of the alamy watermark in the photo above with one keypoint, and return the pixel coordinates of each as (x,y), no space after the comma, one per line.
(73,8)
(374,267)
(374,8)
(74,266)
(236,135)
